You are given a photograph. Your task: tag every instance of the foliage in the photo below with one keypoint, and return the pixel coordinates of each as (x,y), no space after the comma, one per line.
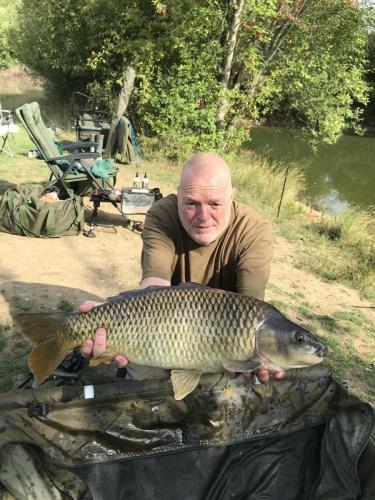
(8,19)
(320,69)
(300,60)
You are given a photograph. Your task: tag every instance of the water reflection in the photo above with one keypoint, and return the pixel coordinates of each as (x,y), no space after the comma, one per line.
(337,176)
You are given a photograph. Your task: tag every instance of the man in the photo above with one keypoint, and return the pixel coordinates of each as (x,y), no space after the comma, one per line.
(202,236)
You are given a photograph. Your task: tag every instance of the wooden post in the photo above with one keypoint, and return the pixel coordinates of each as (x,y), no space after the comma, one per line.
(282,192)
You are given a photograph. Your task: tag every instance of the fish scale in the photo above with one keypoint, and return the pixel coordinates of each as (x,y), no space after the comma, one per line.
(173,321)
(189,329)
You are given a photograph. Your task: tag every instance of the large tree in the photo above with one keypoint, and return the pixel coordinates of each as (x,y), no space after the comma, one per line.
(206,70)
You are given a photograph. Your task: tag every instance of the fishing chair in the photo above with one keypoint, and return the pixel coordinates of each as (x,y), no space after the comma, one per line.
(83,171)
(90,122)
(7,127)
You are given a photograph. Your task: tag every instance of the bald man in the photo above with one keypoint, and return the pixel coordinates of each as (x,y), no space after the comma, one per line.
(203,236)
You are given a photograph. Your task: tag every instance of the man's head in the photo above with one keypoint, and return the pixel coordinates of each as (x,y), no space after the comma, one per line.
(205,197)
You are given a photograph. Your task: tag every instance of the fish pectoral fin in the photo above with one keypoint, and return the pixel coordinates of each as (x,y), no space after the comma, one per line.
(248,365)
(184,382)
(105,357)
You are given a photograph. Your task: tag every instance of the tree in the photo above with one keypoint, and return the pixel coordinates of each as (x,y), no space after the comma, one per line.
(8,19)
(207,70)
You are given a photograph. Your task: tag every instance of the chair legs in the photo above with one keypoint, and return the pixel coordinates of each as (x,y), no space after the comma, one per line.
(97,198)
(4,147)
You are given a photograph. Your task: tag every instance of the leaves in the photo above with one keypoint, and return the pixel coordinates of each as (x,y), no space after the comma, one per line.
(301,62)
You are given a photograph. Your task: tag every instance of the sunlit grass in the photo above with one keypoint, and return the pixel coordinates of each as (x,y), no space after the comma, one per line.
(260,184)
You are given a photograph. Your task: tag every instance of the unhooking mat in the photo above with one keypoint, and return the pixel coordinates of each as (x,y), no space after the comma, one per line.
(303,437)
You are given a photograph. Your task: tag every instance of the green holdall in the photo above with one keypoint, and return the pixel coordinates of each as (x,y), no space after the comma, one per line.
(28,210)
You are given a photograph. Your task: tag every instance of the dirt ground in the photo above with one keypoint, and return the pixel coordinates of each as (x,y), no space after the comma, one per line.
(41,273)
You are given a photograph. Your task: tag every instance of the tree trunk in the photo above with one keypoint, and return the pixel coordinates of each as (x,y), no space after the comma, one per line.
(122,104)
(231,44)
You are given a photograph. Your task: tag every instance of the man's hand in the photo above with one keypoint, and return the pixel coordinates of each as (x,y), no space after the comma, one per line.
(263,375)
(96,347)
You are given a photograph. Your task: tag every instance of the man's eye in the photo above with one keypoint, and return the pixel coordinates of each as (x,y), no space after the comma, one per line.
(215,205)
(190,204)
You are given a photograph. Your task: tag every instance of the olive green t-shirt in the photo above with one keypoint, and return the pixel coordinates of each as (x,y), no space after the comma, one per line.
(239,260)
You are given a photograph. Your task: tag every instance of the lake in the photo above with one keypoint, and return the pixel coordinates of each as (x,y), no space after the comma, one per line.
(337,176)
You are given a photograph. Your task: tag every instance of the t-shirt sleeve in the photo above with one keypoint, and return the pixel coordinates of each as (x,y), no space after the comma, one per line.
(158,252)
(253,265)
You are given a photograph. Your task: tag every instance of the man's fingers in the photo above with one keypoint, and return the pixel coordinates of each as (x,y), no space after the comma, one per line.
(100,342)
(86,349)
(263,375)
(121,361)
(88,305)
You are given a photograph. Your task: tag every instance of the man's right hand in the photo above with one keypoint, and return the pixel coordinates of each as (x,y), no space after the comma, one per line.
(96,347)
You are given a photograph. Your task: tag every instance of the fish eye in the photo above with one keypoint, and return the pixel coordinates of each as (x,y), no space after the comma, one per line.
(299,337)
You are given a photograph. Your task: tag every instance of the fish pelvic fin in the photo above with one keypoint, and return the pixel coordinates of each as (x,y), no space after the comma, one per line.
(105,357)
(184,382)
(249,365)
(46,331)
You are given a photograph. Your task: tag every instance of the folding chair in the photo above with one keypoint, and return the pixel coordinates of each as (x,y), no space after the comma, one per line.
(90,122)
(84,172)
(7,127)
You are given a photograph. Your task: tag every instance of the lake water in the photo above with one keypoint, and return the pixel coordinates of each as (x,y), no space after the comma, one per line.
(337,176)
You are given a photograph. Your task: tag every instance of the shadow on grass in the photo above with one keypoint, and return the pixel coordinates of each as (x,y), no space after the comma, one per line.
(14,349)
(27,297)
(4,185)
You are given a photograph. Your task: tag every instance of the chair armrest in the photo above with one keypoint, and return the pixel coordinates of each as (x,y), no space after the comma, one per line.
(73,156)
(79,145)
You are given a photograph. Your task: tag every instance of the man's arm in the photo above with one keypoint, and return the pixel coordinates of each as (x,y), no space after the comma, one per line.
(151,281)
(253,265)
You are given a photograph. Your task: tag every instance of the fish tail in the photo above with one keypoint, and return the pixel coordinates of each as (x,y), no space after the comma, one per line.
(47,332)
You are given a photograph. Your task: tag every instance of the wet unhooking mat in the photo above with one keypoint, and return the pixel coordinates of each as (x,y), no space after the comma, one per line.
(304,437)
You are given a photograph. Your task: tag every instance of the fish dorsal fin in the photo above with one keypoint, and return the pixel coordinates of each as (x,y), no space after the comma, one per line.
(184,382)
(149,289)
(136,292)
(248,365)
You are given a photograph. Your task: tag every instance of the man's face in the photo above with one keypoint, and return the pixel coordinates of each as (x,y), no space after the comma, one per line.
(204,208)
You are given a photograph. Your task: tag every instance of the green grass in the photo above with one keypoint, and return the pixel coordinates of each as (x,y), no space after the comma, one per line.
(13,357)
(21,168)
(65,305)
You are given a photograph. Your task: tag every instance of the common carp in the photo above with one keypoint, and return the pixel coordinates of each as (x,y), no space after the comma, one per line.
(190,329)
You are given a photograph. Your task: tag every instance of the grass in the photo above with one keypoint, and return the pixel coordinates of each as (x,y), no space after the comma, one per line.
(13,357)
(350,338)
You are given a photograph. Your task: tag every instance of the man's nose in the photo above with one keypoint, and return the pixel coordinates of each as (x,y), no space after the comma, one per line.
(203,212)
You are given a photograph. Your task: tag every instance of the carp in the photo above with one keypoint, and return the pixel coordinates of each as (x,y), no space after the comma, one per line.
(189,329)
